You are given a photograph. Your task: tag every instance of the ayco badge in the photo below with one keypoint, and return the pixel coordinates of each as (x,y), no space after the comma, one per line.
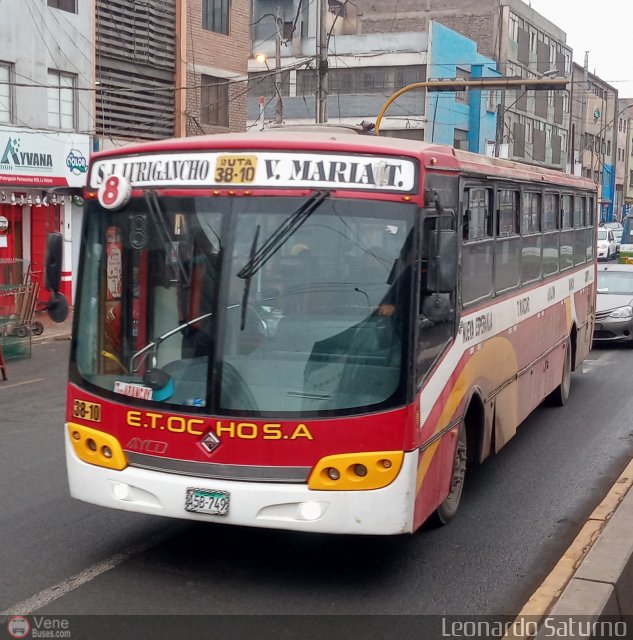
(210,441)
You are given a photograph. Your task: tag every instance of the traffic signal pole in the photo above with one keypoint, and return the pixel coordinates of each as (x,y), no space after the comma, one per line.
(527,84)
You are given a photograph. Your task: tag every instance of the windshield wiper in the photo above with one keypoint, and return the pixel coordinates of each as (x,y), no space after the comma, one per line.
(281,234)
(247,280)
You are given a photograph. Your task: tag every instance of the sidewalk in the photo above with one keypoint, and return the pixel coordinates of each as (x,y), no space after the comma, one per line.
(53,330)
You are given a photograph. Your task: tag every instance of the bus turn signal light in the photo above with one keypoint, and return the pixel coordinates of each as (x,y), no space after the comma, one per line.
(96,447)
(356,471)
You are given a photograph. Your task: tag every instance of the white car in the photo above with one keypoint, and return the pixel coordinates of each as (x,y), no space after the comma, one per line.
(617,229)
(607,246)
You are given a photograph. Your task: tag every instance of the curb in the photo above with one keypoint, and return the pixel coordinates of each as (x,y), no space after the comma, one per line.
(594,577)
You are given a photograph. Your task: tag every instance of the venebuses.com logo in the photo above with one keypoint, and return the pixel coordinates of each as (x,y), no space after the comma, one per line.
(38,627)
(18,627)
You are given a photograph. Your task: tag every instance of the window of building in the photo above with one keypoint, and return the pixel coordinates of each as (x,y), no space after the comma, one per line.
(533,38)
(64,5)
(214,101)
(513,28)
(61,100)
(5,93)
(462,74)
(460,139)
(215,15)
(565,101)
(263,84)
(492,100)
(529,124)
(375,80)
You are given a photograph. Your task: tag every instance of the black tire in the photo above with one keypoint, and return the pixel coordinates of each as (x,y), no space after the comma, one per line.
(560,395)
(37,328)
(448,509)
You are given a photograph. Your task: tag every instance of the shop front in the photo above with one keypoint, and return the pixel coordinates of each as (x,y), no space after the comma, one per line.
(31,163)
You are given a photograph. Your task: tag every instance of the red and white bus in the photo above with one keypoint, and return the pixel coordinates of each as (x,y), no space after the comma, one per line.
(317,332)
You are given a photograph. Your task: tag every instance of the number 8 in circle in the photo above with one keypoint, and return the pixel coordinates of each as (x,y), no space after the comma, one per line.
(115,192)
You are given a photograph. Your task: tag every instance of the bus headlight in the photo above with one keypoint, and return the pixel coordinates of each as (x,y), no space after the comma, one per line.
(96,447)
(356,471)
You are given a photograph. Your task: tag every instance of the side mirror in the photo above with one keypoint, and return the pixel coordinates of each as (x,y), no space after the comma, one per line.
(442,263)
(53,265)
(57,306)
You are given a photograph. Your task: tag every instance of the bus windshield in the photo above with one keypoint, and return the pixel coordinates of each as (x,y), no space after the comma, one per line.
(171,310)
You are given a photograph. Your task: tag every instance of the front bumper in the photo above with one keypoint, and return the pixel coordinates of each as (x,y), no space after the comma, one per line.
(612,330)
(272,505)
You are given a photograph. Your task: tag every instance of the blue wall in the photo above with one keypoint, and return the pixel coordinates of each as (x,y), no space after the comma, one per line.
(447,51)
(608,193)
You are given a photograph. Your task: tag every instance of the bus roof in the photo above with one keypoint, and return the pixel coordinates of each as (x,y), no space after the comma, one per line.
(326,138)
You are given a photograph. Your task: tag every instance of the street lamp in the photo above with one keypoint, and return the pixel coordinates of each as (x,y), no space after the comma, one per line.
(260,57)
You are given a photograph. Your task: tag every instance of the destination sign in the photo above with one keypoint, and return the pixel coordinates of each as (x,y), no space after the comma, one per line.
(260,169)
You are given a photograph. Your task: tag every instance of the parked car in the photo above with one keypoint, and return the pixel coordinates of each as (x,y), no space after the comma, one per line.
(617,229)
(614,304)
(607,246)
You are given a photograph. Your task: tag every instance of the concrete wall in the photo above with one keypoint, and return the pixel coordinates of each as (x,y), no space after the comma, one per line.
(36,38)
(449,51)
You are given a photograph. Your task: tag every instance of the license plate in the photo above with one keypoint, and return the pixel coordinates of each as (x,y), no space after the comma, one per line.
(235,169)
(210,501)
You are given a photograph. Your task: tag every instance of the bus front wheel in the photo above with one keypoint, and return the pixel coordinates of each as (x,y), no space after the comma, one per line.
(447,510)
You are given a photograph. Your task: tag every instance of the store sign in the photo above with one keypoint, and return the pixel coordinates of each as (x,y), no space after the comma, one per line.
(42,159)
(4,224)
(260,169)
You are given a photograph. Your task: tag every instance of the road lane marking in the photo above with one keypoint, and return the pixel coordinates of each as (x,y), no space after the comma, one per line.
(56,591)
(19,384)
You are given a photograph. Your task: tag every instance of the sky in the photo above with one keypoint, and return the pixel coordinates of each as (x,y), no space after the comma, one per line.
(602,27)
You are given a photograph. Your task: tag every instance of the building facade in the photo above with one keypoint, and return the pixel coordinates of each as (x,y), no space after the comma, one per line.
(625,138)
(594,135)
(46,117)
(360,79)
(169,68)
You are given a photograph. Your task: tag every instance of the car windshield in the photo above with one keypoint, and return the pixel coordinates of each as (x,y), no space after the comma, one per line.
(602,234)
(615,282)
(171,311)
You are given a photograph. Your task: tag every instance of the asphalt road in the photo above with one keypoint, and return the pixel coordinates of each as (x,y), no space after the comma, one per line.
(520,511)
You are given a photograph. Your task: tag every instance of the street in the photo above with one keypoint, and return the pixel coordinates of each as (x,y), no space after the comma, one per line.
(520,511)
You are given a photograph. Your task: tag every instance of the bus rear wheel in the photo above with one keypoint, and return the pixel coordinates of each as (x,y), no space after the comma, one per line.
(447,510)
(560,395)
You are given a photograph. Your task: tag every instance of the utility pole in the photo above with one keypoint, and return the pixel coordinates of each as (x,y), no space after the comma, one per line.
(501,114)
(321,97)
(279,109)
